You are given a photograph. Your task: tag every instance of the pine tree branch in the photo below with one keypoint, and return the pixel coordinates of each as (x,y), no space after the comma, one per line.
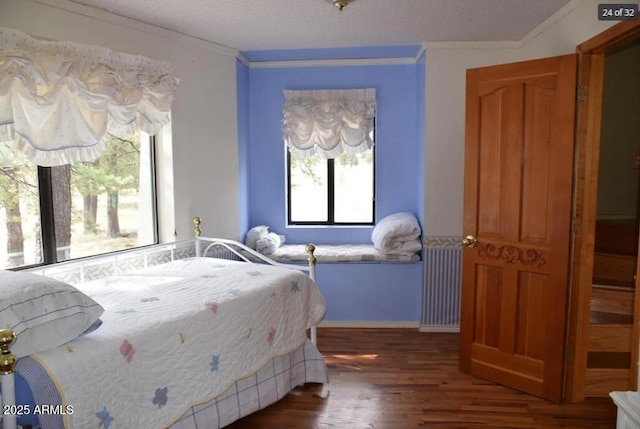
(17,179)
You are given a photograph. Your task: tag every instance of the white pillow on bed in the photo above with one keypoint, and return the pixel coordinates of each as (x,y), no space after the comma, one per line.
(255,234)
(43,312)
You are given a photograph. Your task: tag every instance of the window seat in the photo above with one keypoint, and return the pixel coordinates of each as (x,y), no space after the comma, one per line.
(340,253)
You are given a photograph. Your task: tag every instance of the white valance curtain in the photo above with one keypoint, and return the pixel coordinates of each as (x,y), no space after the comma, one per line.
(329,122)
(59,101)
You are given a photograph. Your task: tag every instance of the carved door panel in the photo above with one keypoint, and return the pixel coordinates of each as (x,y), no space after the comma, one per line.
(517,212)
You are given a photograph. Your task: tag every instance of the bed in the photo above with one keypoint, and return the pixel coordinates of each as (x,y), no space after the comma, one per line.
(197,342)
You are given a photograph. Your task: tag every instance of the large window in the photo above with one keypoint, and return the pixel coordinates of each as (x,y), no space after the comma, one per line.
(337,191)
(53,214)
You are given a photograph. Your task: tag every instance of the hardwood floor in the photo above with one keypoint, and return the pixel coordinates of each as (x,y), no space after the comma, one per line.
(402,379)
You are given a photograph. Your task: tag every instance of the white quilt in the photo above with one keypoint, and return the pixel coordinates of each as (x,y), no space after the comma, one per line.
(177,335)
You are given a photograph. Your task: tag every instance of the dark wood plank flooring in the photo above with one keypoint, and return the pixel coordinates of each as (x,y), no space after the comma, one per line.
(402,379)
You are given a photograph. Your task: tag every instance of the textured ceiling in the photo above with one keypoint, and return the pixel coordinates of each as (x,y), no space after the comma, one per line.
(298,24)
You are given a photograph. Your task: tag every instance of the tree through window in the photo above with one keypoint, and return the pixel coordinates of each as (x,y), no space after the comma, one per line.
(52,214)
(331,191)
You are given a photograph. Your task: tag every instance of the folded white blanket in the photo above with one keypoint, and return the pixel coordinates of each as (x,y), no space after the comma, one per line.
(400,247)
(395,231)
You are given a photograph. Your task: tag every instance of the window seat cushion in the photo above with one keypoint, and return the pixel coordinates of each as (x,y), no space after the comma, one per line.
(332,253)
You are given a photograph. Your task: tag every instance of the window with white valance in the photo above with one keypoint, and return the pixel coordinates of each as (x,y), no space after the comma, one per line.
(329,122)
(61,101)
(330,159)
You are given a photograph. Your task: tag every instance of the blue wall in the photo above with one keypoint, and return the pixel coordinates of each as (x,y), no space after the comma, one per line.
(354,292)
(371,292)
(398,148)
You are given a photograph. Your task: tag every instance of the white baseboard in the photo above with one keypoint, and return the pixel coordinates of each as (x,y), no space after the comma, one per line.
(397,324)
(439,328)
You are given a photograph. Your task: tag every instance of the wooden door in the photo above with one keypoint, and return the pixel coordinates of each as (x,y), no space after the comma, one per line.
(517,205)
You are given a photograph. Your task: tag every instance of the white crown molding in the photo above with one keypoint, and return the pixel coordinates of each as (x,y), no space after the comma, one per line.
(243,60)
(381,61)
(334,63)
(552,20)
(420,53)
(102,15)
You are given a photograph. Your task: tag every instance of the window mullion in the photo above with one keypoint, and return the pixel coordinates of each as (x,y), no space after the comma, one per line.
(47,219)
(289,220)
(154,187)
(330,192)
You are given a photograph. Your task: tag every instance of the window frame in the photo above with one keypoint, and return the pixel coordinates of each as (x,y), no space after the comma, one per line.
(47,218)
(330,197)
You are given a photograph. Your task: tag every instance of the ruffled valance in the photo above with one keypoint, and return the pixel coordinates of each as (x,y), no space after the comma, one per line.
(329,122)
(59,101)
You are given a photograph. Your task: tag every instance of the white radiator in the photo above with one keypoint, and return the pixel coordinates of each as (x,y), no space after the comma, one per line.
(442,282)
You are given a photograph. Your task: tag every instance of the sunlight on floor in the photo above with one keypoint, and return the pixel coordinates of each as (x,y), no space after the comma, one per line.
(349,361)
(355,357)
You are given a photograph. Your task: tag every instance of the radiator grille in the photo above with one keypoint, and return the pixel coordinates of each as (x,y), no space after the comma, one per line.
(441,306)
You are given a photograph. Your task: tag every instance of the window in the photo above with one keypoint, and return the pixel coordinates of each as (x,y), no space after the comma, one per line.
(53,214)
(329,135)
(338,191)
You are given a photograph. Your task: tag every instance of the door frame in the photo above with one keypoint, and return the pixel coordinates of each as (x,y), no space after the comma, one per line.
(591,56)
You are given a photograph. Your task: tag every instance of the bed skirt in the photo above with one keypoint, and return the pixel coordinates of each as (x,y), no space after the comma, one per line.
(248,395)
